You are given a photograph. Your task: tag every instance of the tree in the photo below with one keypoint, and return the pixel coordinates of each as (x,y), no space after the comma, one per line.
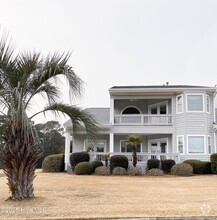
(51,139)
(24,79)
(134,141)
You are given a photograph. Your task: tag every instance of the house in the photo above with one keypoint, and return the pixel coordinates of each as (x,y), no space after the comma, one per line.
(176,122)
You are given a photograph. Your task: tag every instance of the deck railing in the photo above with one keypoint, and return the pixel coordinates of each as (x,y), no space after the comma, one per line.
(143,119)
(141,157)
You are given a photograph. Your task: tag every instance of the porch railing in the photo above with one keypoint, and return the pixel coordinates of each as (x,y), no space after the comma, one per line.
(141,157)
(143,119)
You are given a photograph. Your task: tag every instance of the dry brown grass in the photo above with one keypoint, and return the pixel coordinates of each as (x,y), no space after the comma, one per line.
(60,195)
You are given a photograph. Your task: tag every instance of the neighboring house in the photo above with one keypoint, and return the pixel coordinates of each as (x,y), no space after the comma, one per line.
(176,122)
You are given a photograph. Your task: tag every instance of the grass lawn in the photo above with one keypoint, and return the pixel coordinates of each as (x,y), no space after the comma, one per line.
(62,195)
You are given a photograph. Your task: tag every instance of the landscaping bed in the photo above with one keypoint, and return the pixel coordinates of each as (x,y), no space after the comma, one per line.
(62,195)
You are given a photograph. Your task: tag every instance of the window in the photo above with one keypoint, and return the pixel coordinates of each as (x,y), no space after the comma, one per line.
(96,146)
(125,148)
(180,144)
(179,104)
(209,145)
(196,144)
(194,103)
(207,104)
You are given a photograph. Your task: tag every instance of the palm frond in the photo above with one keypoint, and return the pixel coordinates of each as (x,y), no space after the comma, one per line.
(80,118)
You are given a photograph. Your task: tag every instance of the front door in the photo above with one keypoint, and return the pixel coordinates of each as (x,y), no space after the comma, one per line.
(158,146)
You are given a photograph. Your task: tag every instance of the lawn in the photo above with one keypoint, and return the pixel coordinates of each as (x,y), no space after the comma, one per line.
(62,195)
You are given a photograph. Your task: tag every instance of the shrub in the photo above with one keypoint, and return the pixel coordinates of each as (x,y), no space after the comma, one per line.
(213,159)
(166,165)
(78,157)
(155,172)
(83,168)
(153,163)
(53,163)
(102,171)
(182,169)
(96,163)
(119,171)
(135,171)
(200,167)
(118,161)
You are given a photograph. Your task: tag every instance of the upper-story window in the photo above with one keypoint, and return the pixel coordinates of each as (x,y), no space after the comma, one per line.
(207,104)
(195,103)
(179,104)
(131,110)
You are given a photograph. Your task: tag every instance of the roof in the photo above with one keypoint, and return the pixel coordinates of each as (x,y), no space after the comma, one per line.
(101,115)
(159,86)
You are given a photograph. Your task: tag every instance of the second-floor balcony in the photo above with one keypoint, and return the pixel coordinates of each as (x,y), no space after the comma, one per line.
(141,119)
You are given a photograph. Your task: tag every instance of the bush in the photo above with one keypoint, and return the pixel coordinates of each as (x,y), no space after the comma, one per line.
(155,172)
(119,171)
(78,157)
(213,159)
(182,169)
(83,168)
(96,163)
(135,171)
(166,165)
(200,167)
(153,163)
(102,171)
(118,161)
(53,163)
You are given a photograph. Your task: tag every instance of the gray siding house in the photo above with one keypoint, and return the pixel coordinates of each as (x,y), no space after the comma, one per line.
(176,122)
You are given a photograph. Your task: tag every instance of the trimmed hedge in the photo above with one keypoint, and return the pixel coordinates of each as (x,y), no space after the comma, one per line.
(153,163)
(200,167)
(96,163)
(83,168)
(166,165)
(78,157)
(135,171)
(213,159)
(53,163)
(182,169)
(119,171)
(155,172)
(119,161)
(102,171)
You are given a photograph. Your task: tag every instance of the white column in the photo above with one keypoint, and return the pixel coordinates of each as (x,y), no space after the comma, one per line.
(67,148)
(111,140)
(112,111)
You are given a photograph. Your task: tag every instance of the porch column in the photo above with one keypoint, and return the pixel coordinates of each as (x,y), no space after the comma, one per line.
(111,140)
(112,111)
(67,148)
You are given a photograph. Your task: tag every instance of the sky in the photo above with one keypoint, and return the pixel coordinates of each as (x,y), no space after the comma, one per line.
(120,42)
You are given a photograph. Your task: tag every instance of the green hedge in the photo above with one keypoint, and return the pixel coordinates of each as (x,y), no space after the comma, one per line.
(78,157)
(83,168)
(213,159)
(119,161)
(200,167)
(53,163)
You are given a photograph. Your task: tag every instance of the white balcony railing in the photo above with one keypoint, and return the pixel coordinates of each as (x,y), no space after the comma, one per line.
(141,157)
(143,119)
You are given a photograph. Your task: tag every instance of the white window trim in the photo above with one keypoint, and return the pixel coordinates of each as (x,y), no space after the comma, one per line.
(209,153)
(204,143)
(129,152)
(131,106)
(177,141)
(187,94)
(158,107)
(208,96)
(157,140)
(102,140)
(177,104)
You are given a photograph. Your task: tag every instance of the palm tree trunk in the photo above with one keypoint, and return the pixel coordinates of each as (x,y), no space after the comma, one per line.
(134,156)
(20,156)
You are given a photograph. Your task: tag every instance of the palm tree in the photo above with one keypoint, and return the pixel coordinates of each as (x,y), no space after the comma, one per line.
(134,141)
(23,79)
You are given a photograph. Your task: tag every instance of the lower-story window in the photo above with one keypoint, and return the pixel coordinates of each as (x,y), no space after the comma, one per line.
(96,146)
(126,148)
(196,144)
(180,143)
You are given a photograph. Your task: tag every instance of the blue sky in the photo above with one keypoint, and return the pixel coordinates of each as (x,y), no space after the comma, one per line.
(121,42)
